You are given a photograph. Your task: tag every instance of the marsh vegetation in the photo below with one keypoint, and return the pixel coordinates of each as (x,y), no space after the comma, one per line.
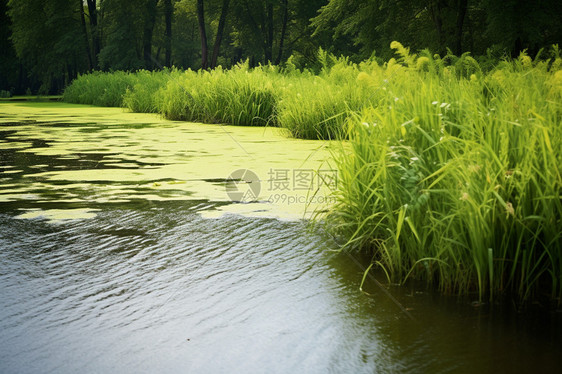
(450,170)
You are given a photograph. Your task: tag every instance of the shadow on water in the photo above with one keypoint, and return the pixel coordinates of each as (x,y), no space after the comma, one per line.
(139,283)
(451,334)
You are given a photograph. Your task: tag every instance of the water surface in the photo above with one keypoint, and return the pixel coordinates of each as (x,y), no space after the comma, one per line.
(120,251)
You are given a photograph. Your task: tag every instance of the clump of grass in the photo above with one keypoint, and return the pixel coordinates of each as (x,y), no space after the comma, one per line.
(313,109)
(239,96)
(317,106)
(142,96)
(457,179)
(100,88)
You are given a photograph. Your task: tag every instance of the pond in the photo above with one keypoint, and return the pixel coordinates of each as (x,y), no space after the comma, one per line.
(122,250)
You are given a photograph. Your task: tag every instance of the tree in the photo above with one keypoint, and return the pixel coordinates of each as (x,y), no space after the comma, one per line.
(353,27)
(201,15)
(11,77)
(85,34)
(220,31)
(168,14)
(148,29)
(186,42)
(511,25)
(516,24)
(261,28)
(94,31)
(285,10)
(461,15)
(122,23)
(47,38)
(45,43)
(202,33)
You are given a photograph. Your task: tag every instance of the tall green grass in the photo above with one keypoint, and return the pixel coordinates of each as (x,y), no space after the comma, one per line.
(455,176)
(239,96)
(317,106)
(136,91)
(143,96)
(100,88)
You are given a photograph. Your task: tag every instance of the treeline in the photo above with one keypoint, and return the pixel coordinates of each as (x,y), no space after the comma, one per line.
(44,44)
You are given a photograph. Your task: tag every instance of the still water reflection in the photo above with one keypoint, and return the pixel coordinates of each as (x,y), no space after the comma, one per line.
(105,271)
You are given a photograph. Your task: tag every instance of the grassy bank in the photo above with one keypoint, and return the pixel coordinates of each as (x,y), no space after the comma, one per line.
(451,172)
(308,105)
(455,176)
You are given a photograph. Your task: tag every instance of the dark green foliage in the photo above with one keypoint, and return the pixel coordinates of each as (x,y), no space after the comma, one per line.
(8,60)
(47,39)
(460,25)
(518,24)
(55,40)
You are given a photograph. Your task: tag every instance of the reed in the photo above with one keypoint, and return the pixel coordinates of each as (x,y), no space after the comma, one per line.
(143,95)
(240,96)
(100,88)
(455,176)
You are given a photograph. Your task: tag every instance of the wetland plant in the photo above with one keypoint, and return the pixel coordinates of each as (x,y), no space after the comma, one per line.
(455,177)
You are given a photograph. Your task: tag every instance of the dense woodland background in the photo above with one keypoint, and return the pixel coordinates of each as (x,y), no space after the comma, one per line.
(44,44)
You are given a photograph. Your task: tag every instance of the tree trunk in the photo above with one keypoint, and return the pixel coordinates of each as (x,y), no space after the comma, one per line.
(461,14)
(220,31)
(93,11)
(202,33)
(169,11)
(259,30)
(20,88)
(148,30)
(85,33)
(470,34)
(517,47)
(435,9)
(269,33)
(283,31)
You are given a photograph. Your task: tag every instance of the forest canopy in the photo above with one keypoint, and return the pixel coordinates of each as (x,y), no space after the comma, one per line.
(44,44)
